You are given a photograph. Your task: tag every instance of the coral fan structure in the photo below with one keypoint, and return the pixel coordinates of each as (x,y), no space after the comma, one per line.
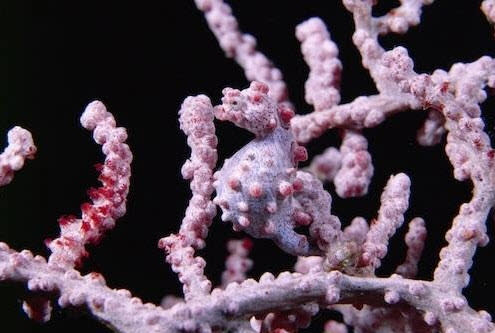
(279,192)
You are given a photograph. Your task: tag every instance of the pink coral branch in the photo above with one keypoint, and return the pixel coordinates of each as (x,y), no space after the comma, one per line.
(326,165)
(368,28)
(20,147)
(108,201)
(457,95)
(115,307)
(127,314)
(394,202)
(68,250)
(242,48)
(385,71)
(488,8)
(357,230)
(322,91)
(321,55)
(196,121)
(415,241)
(354,175)
(363,112)
(400,19)
(433,130)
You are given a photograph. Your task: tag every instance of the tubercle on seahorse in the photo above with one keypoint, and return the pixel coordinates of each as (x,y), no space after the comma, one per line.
(259,188)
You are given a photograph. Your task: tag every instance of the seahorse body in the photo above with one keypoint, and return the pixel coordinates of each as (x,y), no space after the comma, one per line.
(255,186)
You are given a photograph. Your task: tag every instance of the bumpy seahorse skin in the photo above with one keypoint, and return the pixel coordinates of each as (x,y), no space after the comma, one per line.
(256,186)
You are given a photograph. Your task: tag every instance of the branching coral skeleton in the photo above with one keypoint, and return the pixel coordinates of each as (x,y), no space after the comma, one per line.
(261,191)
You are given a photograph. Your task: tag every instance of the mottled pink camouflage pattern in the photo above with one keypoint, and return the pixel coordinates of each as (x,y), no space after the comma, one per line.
(262,192)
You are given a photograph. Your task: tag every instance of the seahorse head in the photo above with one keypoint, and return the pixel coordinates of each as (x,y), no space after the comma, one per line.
(250,109)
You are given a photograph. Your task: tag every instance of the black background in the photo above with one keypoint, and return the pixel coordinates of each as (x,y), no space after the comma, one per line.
(142,59)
